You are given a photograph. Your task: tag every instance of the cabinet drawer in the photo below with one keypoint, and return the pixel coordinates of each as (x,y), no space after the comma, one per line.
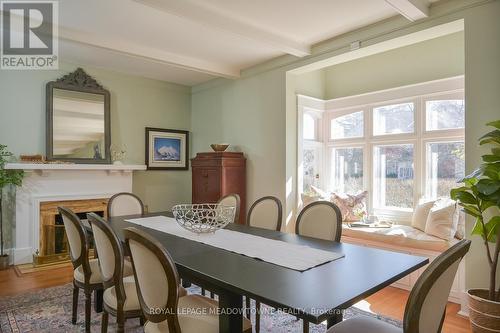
(206,185)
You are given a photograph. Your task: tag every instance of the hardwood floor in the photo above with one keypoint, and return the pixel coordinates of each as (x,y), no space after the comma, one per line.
(388,302)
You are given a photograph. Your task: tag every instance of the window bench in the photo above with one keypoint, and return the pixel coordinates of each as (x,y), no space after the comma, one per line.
(406,239)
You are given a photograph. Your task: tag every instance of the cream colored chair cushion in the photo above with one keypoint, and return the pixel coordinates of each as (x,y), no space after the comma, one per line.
(264,215)
(318,221)
(131,302)
(399,235)
(420,213)
(364,324)
(125,205)
(95,277)
(443,219)
(204,319)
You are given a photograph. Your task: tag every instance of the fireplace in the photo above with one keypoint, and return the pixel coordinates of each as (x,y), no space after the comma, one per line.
(53,241)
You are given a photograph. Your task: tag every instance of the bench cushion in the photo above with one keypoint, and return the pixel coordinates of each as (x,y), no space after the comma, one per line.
(399,235)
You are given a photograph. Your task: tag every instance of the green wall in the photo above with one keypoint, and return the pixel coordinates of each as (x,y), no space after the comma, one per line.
(434,59)
(135,103)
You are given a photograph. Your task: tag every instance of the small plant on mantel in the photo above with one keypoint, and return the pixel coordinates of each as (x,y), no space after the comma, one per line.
(480,198)
(7,177)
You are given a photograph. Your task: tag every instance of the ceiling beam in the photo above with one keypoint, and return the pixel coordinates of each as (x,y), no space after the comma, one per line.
(413,10)
(213,19)
(148,53)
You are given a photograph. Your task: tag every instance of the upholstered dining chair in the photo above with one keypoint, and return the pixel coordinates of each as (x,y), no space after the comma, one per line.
(322,220)
(426,306)
(157,280)
(266,213)
(86,273)
(232,200)
(125,203)
(120,293)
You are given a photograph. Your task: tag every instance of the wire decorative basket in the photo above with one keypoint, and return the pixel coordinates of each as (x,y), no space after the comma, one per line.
(203,218)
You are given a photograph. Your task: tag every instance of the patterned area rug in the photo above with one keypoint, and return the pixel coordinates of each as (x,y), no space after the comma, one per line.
(49,310)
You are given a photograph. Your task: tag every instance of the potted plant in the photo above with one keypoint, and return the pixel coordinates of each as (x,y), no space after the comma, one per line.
(480,198)
(7,177)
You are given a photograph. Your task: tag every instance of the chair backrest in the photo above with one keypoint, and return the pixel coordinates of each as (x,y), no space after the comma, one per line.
(125,203)
(77,240)
(426,304)
(110,252)
(320,219)
(266,213)
(232,200)
(156,276)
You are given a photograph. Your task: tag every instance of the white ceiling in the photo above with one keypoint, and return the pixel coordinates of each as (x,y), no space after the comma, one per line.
(193,41)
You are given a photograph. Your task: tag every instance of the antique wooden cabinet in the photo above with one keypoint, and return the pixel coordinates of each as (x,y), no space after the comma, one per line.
(217,174)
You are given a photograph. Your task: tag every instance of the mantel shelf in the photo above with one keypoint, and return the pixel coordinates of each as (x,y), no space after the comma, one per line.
(43,168)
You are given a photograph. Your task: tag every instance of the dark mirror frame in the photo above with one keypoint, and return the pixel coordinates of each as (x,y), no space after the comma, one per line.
(81,82)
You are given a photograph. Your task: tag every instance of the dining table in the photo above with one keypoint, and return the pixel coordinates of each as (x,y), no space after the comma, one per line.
(316,295)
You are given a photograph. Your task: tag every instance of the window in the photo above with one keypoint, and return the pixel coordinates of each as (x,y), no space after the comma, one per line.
(445,166)
(348,126)
(393,176)
(347,170)
(399,145)
(394,119)
(445,114)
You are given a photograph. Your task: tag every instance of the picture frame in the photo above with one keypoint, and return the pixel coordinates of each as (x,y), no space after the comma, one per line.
(167,149)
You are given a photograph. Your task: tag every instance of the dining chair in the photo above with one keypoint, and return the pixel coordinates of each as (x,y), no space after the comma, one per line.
(426,306)
(86,273)
(120,293)
(266,213)
(321,220)
(157,280)
(232,200)
(125,203)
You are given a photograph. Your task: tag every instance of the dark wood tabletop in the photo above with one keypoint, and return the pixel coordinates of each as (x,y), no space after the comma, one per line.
(314,295)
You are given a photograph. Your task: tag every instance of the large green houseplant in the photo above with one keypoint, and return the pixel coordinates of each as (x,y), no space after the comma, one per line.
(480,198)
(7,177)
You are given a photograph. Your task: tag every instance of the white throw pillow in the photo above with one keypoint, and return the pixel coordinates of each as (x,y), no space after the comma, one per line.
(443,219)
(420,213)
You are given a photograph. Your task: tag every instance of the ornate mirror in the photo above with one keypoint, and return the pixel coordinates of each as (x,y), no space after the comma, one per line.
(78,120)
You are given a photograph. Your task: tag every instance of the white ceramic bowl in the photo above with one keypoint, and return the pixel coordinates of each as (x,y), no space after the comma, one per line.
(203,218)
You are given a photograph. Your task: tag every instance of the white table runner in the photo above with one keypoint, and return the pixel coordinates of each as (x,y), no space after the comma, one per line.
(294,256)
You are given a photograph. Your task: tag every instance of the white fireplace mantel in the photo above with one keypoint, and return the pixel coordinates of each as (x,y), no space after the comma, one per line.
(60,182)
(43,168)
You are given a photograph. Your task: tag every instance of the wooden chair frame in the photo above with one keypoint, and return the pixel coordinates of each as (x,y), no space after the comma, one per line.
(110,201)
(338,232)
(168,264)
(116,280)
(425,282)
(81,260)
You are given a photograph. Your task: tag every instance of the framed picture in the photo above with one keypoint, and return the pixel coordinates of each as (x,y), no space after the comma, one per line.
(166,149)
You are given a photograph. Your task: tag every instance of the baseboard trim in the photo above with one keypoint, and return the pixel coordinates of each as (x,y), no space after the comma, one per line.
(22,256)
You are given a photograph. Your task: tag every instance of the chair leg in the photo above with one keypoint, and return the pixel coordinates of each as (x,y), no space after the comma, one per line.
(76,291)
(257,317)
(212,295)
(120,321)
(142,320)
(305,326)
(104,322)
(88,309)
(247,307)
(203,291)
